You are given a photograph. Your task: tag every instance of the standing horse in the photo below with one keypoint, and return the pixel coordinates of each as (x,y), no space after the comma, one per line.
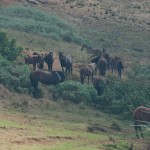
(90,50)
(113,63)
(34,60)
(141,116)
(87,70)
(65,61)
(119,67)
(48,58)
(101,63)
(100,83)
(102,66)
(46,77)
(107,57)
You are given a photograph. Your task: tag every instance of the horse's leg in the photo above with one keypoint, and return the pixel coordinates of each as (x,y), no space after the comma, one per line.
(119,73)
(88,79)
(82,77)
(51,67)
(136,129)
(92,77)
(34,66)
(48,67)
(140,129)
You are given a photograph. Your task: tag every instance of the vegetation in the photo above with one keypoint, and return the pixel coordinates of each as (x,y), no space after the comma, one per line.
(121,96)
(8,49)
(13,76)
(35,21)
(61,125)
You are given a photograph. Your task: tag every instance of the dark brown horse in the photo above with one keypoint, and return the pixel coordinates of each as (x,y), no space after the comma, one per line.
(48,58)
(141,116)
(65,61)
(46,78)
(113,63)
(87,71)
(102,66)
(34,60)
(119,67)
(100,83)
(90,50)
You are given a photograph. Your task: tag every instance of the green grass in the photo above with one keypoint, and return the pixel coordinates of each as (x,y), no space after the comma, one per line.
(48,125)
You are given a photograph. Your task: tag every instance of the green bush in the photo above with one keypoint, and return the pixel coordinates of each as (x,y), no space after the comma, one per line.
(13,76)
(75,92)
(123,96)
(8,49)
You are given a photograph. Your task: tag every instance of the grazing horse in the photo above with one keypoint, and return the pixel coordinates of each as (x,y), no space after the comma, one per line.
(48,58)
(100,83)
(65,61)
(46,78)
(35,59)
(141,116)
(90,50)
(87,70)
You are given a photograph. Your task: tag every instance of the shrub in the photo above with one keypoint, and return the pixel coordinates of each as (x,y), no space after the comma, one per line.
(123,96)
(8,49)
(13,76)
(75,92)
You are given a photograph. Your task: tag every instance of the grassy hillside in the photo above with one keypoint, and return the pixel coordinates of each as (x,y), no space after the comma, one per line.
(122,27)
(47,125)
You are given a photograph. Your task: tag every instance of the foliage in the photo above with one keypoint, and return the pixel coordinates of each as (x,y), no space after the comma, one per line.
(8,49)
(75,92)
(13,76)
(123,96)
(36,21)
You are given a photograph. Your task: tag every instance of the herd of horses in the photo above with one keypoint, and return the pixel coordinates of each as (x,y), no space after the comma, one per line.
(100,61)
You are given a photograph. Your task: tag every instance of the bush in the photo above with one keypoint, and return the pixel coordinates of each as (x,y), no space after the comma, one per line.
(123,96)
(14,77)
(8,49)
(75,92)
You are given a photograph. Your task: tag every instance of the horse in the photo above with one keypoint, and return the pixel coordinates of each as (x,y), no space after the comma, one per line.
(101,64)
(46,78)
(100,83)
(113,63)
(90,50)
(87,70)
(119,67)
(48,58)
(35,59)
(66,61)
(107,57)
(141,116)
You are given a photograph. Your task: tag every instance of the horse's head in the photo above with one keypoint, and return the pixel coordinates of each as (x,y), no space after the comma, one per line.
(60,54)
